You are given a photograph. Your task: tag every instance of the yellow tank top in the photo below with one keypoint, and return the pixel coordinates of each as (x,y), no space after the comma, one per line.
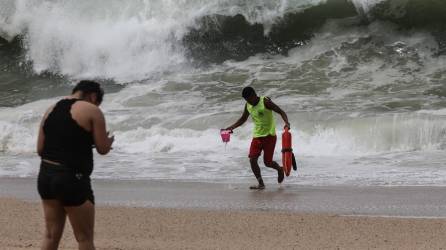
(263,118)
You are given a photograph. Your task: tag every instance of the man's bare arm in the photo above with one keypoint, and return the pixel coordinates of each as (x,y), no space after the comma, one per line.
(271,105)
(240,121)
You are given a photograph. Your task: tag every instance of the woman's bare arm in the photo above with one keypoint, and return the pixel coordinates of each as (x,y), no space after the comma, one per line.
(41,134)
(102,141)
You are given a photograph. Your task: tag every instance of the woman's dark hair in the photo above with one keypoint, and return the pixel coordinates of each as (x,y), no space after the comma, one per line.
(88,87)
(248,92)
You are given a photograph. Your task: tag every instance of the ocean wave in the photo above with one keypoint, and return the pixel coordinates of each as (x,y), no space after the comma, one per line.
(219,38)
(132,41)
(411,13)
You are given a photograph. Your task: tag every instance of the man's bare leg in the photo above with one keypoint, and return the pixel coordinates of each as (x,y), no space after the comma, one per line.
(276,166)
(256,170)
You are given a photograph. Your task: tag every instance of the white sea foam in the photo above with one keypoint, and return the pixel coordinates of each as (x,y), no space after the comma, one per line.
(364,6)
(334,89)
(123,40)
(169,147)
(175,131)
(117,39)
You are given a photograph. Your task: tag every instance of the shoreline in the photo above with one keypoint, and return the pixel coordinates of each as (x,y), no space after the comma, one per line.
(402,201)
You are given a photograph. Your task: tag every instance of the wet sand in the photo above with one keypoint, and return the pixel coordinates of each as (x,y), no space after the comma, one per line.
(168,215)
(342,200)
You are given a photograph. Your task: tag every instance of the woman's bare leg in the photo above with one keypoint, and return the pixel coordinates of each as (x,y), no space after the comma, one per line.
(82,220)
(55,217)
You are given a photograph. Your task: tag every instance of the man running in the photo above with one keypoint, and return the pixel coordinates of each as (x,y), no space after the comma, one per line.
(264,134)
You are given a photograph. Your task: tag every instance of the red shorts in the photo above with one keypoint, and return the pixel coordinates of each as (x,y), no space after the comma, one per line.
(267,144)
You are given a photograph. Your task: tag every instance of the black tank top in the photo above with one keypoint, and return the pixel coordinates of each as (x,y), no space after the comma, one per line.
(65,141)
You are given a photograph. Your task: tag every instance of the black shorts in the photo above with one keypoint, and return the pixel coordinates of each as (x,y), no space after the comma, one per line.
(64,184)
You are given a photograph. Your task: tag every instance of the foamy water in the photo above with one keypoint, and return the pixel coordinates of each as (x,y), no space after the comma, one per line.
(365,101)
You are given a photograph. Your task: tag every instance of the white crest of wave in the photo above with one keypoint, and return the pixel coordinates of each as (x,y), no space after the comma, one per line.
(94,39)
(374,135)
(123,40)
(364,6)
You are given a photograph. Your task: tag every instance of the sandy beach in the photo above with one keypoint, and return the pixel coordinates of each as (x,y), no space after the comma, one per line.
(149,228)
(168,215)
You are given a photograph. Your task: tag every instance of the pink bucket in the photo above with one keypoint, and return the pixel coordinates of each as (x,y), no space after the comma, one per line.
(225,135)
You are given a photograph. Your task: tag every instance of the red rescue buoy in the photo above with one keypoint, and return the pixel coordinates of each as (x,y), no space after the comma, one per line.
(287,152)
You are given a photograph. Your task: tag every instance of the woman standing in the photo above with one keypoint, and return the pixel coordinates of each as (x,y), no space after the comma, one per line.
(67,134)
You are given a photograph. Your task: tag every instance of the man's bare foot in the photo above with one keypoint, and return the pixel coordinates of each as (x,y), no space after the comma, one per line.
(257,187)
(280,175)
